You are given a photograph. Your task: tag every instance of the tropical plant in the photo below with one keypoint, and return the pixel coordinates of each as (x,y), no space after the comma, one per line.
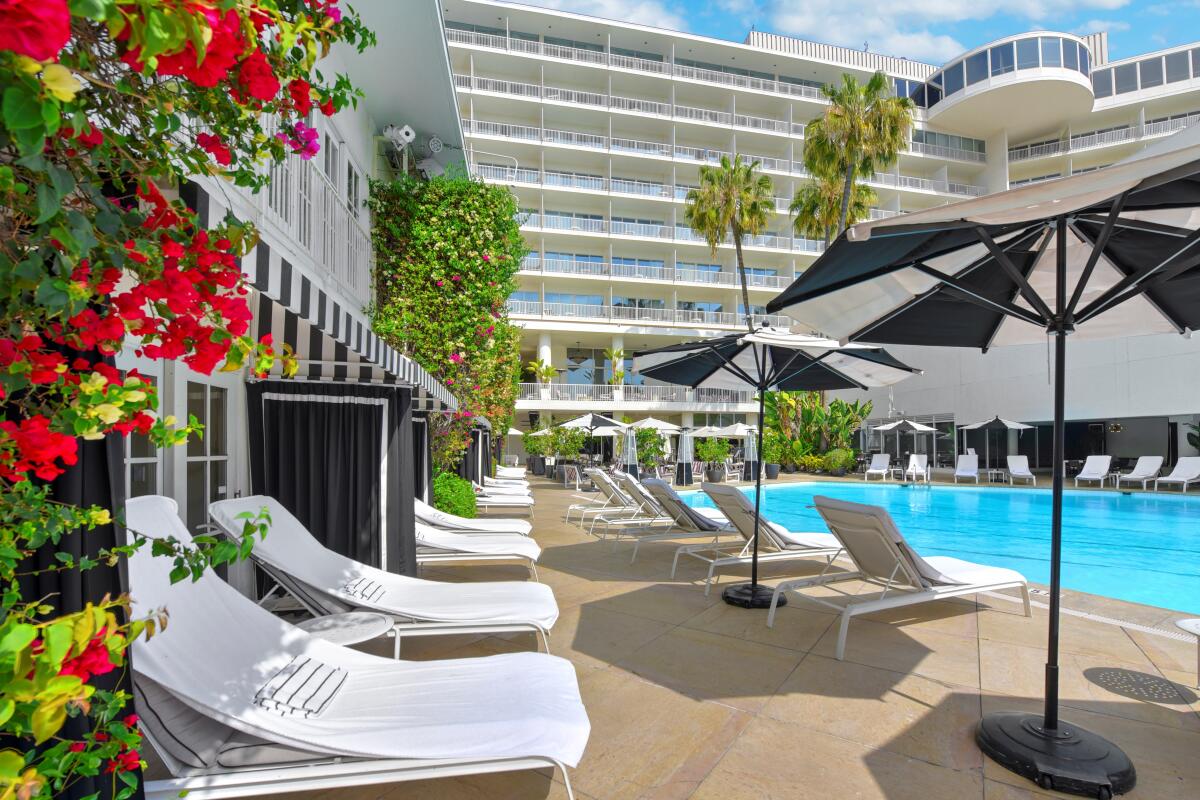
(817,205)
(651,446)
(813,416)
(811,462)
(568,443)
(773,447)
(839,459)
(712,451)
(454,495)
(734,200)
(109,106)
(616,357)
(843,420)
(447,252)
(536,443)
(541,371)
(863,130)
(1193,438)
(796,450)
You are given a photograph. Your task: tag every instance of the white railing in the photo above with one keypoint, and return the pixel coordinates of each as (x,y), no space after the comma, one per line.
(640,106)
(562,222)
(941,151)
(1085,141)
(653,230)
(662,316)
(641,146)
(603,269)
(1101,138)
(631,394)
(762,123)
(643,188)
(703,115)
(643,272)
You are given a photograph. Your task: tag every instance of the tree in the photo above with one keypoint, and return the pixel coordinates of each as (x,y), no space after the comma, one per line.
(734,199)
(863,130)
(817,205)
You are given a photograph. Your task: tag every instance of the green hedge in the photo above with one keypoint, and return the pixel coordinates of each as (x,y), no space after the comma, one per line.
(454,495)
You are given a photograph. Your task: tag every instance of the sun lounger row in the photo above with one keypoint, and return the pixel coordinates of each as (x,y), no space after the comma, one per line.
(1096,469)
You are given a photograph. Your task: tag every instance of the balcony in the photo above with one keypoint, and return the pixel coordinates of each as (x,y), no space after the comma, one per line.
(533,265)
(647,66)
(650,316)
(1088,141)
(533,393)
(566,223)
(704,155)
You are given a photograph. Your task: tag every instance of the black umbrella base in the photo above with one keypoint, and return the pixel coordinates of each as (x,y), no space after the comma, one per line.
(1069,759)
(751,595)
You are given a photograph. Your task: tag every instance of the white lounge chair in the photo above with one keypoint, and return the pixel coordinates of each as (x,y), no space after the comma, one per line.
(655,521)
(1187,470)
(775,542)
(1145,470)
(640,516)
(1018,468)
(510,472)
(967,467)
(441,519)
(884,558)
(918,467)
(610,498)
(487,501)
(1096,468)
(494,489)
(218,697)
(435,545)
(880,465)
(506,483)
(327,583)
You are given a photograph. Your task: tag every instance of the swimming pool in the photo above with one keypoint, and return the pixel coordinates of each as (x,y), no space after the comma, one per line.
(1141,547)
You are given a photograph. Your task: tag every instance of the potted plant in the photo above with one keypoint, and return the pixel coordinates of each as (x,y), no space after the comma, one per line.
(616,357)
(651,448)
(713,453)
(568,444)
(772,453)
(838,460)
(543,373)
(536,448)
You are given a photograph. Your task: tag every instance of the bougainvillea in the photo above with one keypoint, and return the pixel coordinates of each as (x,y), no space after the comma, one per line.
(446,253)
(106,106)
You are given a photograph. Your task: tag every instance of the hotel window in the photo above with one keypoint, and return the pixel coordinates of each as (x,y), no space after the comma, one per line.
(1085,59)
(1070,55)
(1196,62)
(1002,59)
(1051,51)
(707,306)
(638,302)
(353,188)
(1027,54)
(207,457)
(1177,67)
(954,78)
(143,463)
(1151,72)
(1126,78)
(977,67)
(525,297)
(1102,83)
(581,366)
(574,299)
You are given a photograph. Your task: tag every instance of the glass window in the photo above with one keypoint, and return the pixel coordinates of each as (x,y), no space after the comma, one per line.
(977,67)
(1177,67)
(1051,51)
(525,296)
(1151,72)
(1027,54)
(581,366)
(954,78)
(1070,55)
(1002,59)
(916,93)
(1196,62)
(1085,60)
(1102,83)
(1126,78)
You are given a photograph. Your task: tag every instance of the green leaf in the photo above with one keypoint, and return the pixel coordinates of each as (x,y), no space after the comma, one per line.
(21,107)
(62,180)
(17,638)
(92,9)
(49,202)
(11,762)
(47,719)
(53,294)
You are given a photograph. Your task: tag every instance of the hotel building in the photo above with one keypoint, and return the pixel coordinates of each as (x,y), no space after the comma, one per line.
(600,128)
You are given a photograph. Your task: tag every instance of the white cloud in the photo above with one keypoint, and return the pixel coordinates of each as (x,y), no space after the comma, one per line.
(641,12)
(909,28)
(1098,25)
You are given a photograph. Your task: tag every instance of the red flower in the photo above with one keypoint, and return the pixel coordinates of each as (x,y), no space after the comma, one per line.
(221,54)
(327,107)
(94,660)
(257,78)
(301,94)
(35,28)
(215,147)
(126,761)
(77,747)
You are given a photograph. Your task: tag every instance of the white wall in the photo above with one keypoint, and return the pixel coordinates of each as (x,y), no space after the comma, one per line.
(1135,377)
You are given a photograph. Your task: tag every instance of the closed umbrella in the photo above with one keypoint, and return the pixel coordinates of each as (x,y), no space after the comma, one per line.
(762,360)
(1113,252)
(987,426)
(685,454)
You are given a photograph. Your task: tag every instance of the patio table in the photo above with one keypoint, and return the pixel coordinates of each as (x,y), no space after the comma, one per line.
(997,475)
(349,628)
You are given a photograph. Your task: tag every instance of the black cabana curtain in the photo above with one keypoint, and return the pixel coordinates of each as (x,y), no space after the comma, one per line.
(422,459)
(338,456)
(469,467)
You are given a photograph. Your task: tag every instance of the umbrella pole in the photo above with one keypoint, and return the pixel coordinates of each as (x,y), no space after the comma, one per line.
(1052,753)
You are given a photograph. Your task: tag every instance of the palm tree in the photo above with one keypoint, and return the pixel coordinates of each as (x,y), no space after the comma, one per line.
(733,198)
(817,205)
(864,129)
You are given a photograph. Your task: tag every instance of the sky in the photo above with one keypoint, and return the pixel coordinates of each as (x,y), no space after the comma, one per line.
(925,30)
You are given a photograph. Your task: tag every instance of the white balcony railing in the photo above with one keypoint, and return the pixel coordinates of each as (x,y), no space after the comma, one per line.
(950,153)
(654,316)
(701,154)
(573,392)
(534,264)
(1087,141)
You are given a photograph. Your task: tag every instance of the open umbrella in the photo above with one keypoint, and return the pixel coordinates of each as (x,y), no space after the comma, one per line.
(763,360)
(905,426)
(987,426)
(1113,252)
(594,424)
(662,426)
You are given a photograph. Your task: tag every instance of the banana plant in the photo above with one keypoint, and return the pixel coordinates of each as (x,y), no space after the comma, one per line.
(616,357)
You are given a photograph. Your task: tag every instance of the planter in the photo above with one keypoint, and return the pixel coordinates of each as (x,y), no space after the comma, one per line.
(837,473)
(537,465)
(772,471)
(714,475)
(789,469)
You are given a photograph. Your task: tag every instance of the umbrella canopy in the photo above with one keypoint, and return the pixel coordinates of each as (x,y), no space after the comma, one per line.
(515,432)
(593,423)
(1109,253)
(738,430)
(659,425)
(905,426)
(705,432)
(996,424)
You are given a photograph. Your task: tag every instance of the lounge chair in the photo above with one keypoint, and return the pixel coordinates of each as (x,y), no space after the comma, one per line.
(1145,470)
(918,467)
(441,519)
(967,467)
(641,514)
(328,583)
(1018,468)
(1094,469)
(217,699)
(609,500)
(1187,470)
(884,558)
(510,472)
(880,463)
(500,490)
(505,483)
(488,501)
(775,542)
(655,521)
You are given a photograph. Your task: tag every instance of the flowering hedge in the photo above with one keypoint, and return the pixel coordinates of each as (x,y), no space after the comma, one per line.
(446,253)
(105,107)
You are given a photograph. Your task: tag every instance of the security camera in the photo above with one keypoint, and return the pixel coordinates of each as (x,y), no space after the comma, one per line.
(401,137)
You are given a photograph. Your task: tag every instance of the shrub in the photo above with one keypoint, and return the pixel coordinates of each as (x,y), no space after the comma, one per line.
(651,446)
(535,445)
(568,443)
(773,447)
(811,462)
(454,495)
(712,451)
(839,458)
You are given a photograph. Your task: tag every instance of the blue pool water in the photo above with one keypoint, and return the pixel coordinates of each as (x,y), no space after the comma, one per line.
(1141,547)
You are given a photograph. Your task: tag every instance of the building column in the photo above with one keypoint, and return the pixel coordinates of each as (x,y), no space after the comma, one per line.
(543,350)
(689,419)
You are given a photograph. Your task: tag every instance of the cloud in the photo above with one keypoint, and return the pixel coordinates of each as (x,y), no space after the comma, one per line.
(641,12)
(1098,25)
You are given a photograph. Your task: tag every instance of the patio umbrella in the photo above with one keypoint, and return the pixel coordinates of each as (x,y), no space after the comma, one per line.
(905,426)
(594,424)
(1114,252)
(629,454)
(659,425)
(987,426)
(684,455)
(767,359)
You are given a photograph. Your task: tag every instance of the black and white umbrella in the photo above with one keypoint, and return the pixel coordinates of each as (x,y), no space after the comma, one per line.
(987,426)
(764,360)
(1109,253)
(900,426)
(595,425)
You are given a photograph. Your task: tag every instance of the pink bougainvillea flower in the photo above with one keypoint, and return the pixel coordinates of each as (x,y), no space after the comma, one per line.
(438,283)
(456,278)
(456,358)
(35,28)
(486,257)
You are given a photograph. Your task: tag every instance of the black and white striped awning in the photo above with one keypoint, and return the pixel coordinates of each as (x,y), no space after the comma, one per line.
(330,340)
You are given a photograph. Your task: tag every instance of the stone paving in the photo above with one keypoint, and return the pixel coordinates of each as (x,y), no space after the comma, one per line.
(692,698)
